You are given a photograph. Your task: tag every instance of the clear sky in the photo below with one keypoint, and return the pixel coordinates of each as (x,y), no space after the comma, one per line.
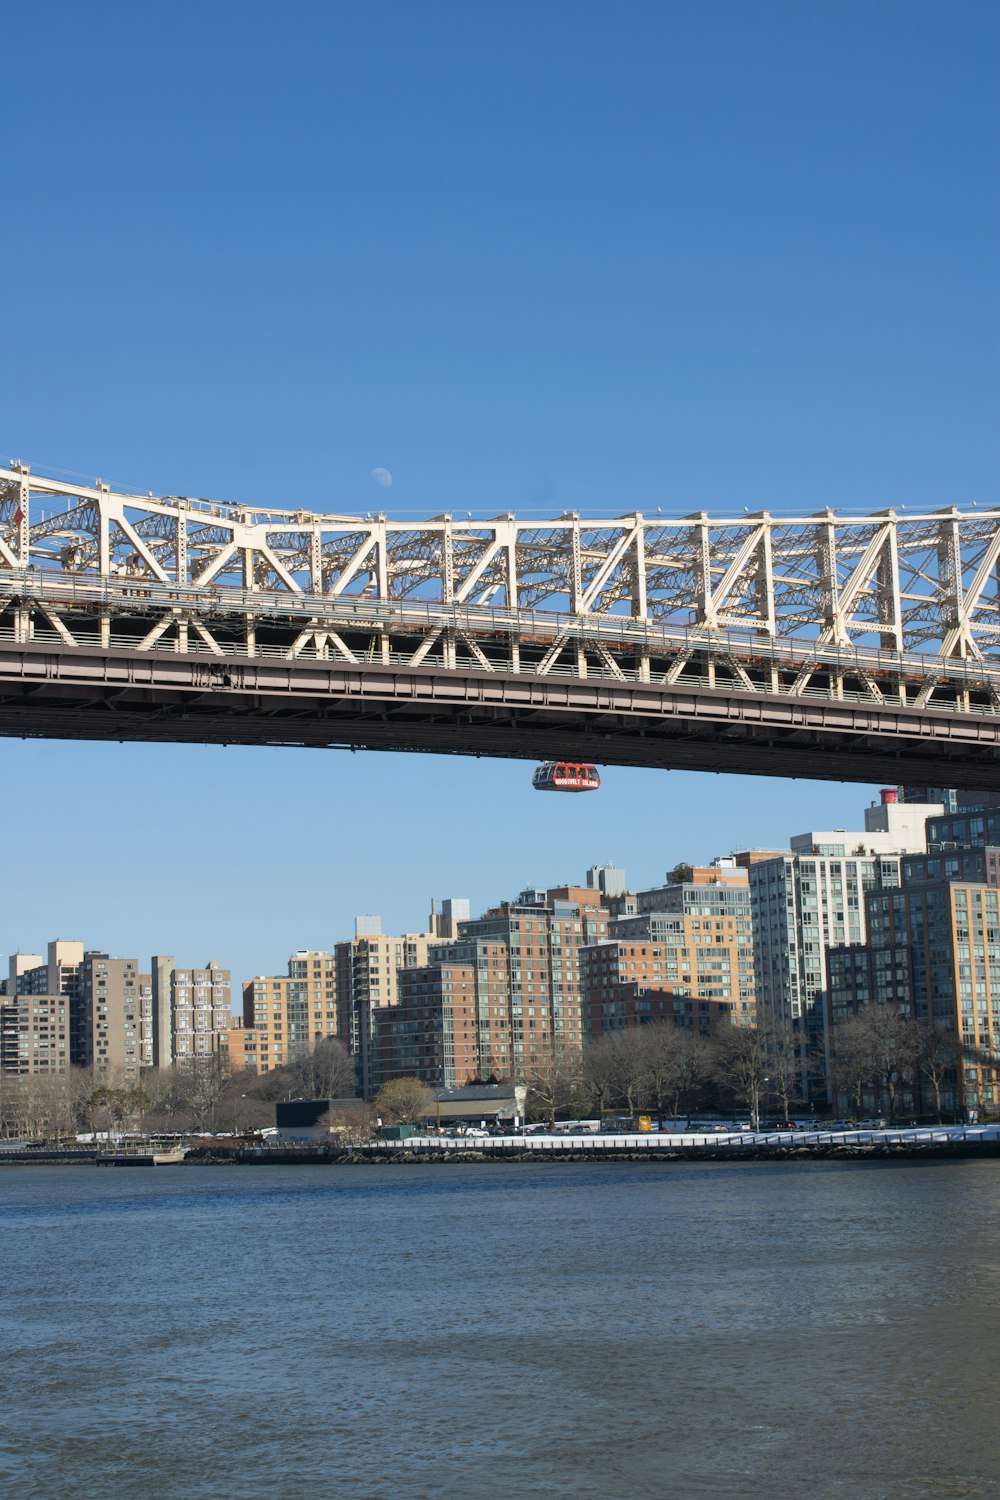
(520,256)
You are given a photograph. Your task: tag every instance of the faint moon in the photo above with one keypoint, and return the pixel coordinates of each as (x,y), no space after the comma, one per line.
(382,477)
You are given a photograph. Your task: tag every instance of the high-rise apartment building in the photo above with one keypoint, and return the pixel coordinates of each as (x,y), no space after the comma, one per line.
(691,939)
(87,1010)
(525,956)
(812,900)
(59,974)
(946,796)
(285,1015)
(933,954)
(431,1033)
(804,905)
(21,968)
(366,969)
(189,1010)
(34,1034)
(488,961)
(107,1017)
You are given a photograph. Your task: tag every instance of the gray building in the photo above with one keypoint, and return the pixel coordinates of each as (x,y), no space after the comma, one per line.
(803,905)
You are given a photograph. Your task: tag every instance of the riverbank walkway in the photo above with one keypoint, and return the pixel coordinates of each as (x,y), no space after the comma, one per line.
(736,1141)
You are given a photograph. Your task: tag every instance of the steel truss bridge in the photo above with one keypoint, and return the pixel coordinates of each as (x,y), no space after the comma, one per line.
(823,646)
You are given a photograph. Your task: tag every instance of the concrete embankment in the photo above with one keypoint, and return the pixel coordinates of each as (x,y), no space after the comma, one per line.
(936,1143)
(909,1145)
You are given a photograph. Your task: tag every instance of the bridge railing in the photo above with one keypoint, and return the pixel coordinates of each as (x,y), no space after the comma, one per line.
(68,591)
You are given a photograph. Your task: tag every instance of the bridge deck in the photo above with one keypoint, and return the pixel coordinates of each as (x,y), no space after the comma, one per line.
(828,647)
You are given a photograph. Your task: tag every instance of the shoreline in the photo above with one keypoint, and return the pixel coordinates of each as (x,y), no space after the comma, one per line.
(785,1152)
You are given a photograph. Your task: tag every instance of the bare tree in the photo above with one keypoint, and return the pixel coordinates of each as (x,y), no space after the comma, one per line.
(597,1074)
(32,1106)
(693,1068)
(324,1071)
(204,1084)
(782,1061)
(661,1044)
(243,1104)
(403,1101)
(43,1104)
(555,1081)
(17,1109)
(627,1053)
(660,1065)
(851,1062)
(893,1044)
(937,1058)
(741,1064)
(352,1123)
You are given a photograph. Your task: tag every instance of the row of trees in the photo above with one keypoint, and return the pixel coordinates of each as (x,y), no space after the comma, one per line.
(882,1061)
(668,1071)
(887,1061)
(201,1096)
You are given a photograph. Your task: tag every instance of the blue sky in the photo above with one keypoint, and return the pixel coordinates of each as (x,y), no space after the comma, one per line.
(528,257)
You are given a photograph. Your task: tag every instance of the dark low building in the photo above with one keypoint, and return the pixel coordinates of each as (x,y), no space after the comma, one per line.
(298,1119)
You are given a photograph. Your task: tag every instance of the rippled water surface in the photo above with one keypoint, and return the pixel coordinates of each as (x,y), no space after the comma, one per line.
(606,1331)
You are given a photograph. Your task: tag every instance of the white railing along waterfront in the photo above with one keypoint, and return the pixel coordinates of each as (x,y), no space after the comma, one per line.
(741,1140)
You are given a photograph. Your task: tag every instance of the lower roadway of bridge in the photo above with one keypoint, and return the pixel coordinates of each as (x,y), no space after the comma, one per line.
(96,694)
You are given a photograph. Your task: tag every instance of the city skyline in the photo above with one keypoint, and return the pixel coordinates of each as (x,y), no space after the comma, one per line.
(210,885)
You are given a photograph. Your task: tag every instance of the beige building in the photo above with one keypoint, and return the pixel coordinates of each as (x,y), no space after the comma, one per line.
(286,1014)
(107,1015)
(446,915)
(366,986)
(190,1009)
(34,1034)
(79,1008)
(58,974)
(693,939)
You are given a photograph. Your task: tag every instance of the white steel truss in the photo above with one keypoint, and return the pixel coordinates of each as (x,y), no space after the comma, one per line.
(886,607)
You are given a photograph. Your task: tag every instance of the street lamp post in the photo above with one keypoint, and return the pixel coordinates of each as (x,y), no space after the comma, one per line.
(760,1090)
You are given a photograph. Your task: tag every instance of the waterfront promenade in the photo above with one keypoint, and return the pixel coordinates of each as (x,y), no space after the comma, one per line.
(906,1141)
(938,1141)
(736,1140)
(936,1138)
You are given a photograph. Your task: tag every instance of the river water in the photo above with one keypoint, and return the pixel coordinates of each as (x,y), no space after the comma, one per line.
(606,1331)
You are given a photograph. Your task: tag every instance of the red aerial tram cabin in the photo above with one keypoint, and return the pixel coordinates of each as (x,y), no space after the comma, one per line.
(565,776)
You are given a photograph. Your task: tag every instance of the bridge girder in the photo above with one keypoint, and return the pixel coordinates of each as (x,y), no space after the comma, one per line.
(924,582)
(888,614)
